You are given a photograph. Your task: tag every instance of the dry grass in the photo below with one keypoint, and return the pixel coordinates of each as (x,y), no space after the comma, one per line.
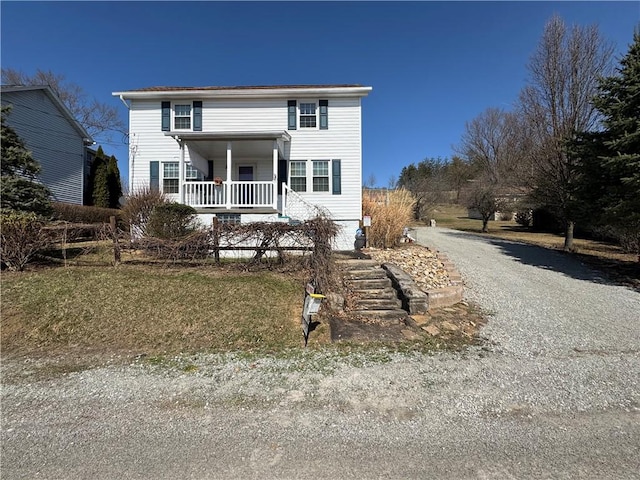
(144,309)
(389,215)
(622,267)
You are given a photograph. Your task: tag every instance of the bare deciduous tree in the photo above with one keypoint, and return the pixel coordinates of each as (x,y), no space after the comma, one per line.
(496,146)
(96,117)
(564,73)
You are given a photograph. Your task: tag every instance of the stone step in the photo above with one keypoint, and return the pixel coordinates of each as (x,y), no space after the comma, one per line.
(388,293)
(356,264)
(383,316)
(369,284)
(365,274)
(377,304)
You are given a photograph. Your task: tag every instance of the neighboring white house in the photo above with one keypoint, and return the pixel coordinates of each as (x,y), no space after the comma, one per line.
(54,137)
(259,153)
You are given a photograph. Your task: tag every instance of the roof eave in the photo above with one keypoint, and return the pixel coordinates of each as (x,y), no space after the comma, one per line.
(330,92)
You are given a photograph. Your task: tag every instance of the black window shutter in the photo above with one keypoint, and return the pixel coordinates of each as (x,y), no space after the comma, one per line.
(197,116)
(337,177)
(166,116)
(282,174)
(154,176)
(324,114)
(292,109)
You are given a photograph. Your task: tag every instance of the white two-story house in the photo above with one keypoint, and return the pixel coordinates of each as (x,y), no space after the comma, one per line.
(251,153)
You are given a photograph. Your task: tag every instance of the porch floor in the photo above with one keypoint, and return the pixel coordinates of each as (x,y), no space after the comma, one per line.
(256,210)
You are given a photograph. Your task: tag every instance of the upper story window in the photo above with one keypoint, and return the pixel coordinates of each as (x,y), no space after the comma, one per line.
(182,117)
(308,115)
(186,116)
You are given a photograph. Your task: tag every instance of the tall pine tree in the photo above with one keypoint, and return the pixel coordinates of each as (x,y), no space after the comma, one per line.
(609,167)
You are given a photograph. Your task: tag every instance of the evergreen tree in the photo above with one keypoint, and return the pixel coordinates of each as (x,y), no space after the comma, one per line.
(609,168)
(114,183)
(19,188)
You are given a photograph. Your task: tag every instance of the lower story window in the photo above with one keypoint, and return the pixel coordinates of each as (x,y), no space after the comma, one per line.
(298,176)
(170,178)
(321,175)
(193,174)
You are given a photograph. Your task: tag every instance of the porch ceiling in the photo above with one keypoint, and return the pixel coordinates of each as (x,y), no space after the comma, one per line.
(243,144)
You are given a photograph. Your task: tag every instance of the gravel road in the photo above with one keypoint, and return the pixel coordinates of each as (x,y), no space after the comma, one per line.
(553,394)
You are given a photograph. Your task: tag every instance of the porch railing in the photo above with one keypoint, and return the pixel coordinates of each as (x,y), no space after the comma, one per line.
(230,194)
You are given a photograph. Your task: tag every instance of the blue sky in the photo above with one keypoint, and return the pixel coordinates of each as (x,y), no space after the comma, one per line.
(433,65)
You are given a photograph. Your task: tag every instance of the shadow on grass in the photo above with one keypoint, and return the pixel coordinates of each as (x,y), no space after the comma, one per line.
(578,266)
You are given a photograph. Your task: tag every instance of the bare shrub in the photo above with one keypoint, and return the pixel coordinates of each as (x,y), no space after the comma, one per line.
(138,207)
(389,217)
(22,237)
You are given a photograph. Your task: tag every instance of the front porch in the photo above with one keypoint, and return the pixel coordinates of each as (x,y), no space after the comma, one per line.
(232,195)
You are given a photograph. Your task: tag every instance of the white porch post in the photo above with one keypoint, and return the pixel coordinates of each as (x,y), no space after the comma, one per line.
(228,182)
(275,175)
(181,175)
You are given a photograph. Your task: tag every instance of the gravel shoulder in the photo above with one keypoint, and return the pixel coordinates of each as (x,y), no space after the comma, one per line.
(553,394)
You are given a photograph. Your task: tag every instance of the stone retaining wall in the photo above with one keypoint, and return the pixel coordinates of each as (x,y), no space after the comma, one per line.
(416,301)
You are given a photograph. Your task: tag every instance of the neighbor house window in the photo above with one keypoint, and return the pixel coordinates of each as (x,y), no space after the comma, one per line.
(170,179)
(321,175)
(298,176)
(182,117)
(307,115)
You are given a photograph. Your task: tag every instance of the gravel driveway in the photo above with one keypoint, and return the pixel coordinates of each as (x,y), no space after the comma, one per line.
(554,394)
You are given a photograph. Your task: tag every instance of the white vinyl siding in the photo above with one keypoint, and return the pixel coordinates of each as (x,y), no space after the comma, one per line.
(342,140)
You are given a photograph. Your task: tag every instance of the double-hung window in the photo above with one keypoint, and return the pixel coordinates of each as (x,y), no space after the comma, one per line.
(308,115)
(182,117)
(170,177)
(321,175)
(298,176)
